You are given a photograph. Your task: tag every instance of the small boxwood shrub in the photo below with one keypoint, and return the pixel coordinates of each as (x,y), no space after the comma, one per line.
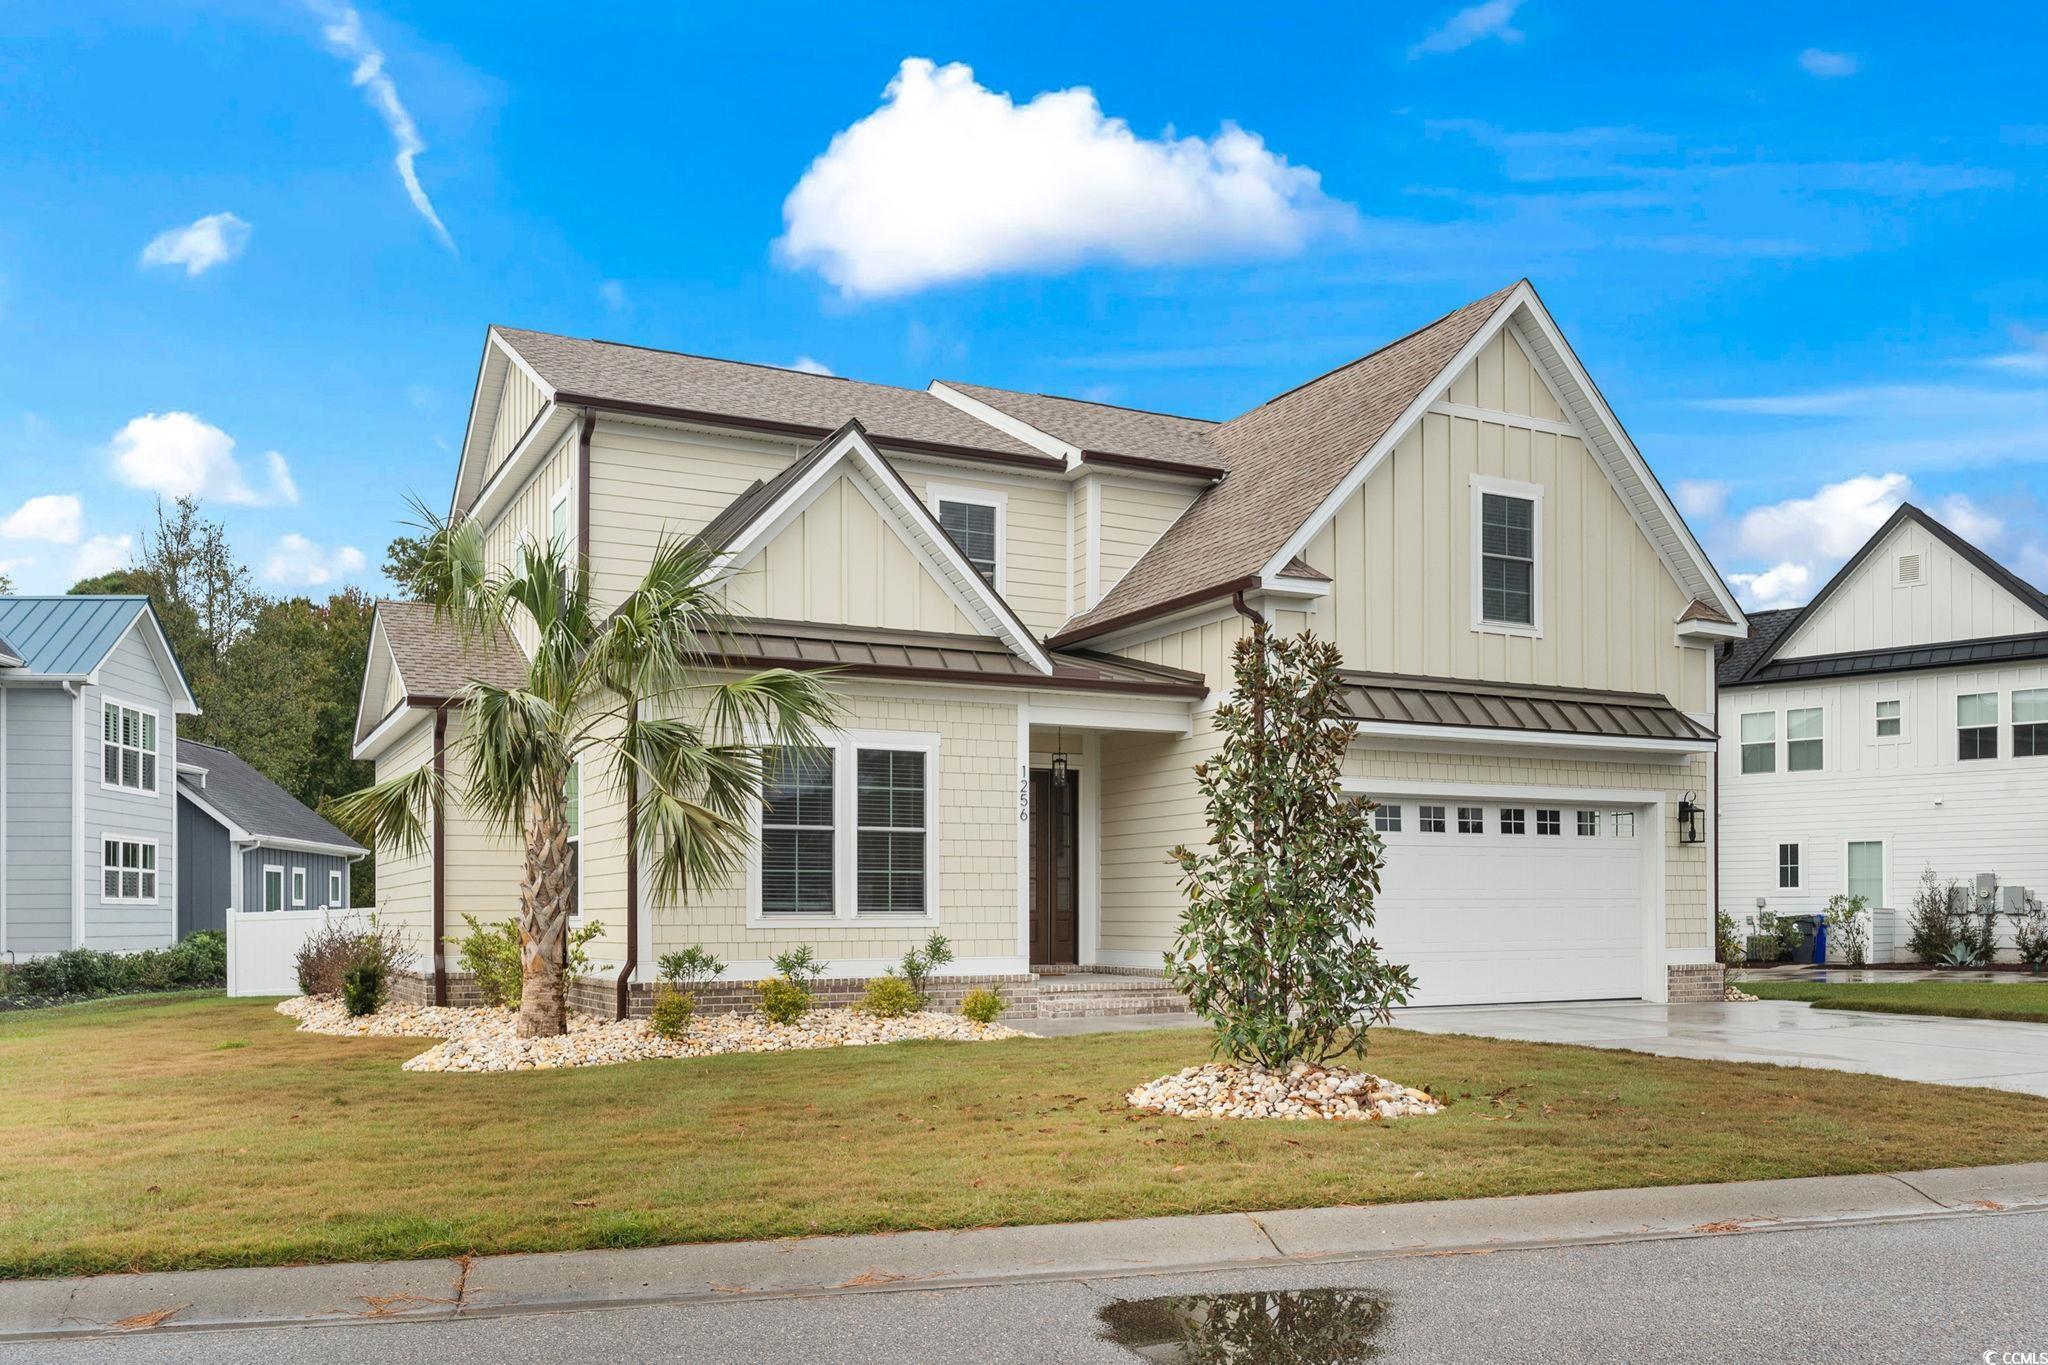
(891,997)
(783,1001)
(670,1017)
(984,1004)
(362,986)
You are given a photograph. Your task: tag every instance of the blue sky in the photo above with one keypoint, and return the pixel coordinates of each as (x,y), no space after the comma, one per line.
(1797,245)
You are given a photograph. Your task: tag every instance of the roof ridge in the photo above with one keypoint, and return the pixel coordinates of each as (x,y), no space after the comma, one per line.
(1087,402)
(699,355)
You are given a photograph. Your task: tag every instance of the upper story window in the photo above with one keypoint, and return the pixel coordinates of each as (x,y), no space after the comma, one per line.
(1977,725)
(1803,739)
(1760,742)
(2030,723)
(128,747)
(1891,718)
(558,522)
(572,805)
(1507,526)
(974,519)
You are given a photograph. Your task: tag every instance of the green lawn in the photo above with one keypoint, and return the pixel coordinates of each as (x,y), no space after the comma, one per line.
(2025,1001)
(194,1132)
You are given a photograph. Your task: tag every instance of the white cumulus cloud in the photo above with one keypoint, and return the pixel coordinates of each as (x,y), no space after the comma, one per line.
(949,181)
(1829,66)
(808,365)
(51,516)
(177,455)
(1474,23)
(295,561)
(1781,585)
(347,39)
(1701,497)
(102,554)
(199,246)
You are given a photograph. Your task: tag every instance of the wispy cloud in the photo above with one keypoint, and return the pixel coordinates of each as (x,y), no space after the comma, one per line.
(294,561)
(102,554)
(807,365)
(199,246)
(1829,66)
(613,295)
(346,38)
(1475,23)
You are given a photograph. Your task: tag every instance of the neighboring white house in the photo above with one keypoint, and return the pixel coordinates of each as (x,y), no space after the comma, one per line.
(1897,722)
(90,697)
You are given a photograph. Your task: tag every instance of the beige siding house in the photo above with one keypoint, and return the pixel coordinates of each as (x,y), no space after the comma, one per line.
(1033,602)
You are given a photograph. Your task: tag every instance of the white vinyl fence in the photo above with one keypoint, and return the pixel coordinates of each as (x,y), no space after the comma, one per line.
(263,948)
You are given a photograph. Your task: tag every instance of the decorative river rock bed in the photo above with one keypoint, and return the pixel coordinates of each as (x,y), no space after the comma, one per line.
(1219,1090)
(485,1040)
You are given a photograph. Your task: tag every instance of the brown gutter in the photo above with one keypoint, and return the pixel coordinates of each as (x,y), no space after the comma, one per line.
(1237,601)
(632,885)
(1171,605)
(1050,464)
(440,857)
(1115,460)
(583,489)
(1036,681)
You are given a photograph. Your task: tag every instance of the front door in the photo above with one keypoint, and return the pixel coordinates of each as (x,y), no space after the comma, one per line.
(1055,869)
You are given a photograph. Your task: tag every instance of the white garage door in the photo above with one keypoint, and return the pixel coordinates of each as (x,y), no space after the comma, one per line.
(1490,902)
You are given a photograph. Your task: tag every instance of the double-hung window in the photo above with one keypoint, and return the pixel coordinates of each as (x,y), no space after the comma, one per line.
(1803,739)
(974,519)
(127,747)
(127,869)
(334,892)
(1891,719)
(846,828)
(2030,723)
(572,809)
(1977,725)
(1760,742)
(1507,554)
(1788,865)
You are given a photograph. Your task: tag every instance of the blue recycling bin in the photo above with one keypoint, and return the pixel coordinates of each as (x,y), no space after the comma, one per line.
(1820,942)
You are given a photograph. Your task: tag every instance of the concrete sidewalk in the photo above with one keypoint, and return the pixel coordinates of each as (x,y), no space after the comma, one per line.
(566,1281)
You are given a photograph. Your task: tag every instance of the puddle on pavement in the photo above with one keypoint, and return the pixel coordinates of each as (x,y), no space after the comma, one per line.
(1288,1327)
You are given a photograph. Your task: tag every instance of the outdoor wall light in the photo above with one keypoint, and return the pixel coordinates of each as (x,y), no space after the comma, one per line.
(1692,820)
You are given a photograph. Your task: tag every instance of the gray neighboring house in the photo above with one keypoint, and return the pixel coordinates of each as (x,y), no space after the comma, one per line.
(90,696)
(250,844)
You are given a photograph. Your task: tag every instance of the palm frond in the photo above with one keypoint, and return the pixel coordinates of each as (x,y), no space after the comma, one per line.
(392,812)
(773,706)
(512,742)
(667,626)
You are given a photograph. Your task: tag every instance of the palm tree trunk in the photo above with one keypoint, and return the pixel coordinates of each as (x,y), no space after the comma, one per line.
(545,898)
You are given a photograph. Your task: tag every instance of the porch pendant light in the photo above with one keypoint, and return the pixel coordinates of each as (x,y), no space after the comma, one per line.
(1059,760)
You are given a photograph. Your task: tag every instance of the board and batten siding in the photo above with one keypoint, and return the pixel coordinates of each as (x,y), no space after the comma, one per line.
(519,402)
(316,866)
(1402,558)
(129,675)
(527,519)
(40,866)
(1953,599)
(206,871)
(1911,792)
(1034,551)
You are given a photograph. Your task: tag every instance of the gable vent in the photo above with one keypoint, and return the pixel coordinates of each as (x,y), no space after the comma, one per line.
(1908,575)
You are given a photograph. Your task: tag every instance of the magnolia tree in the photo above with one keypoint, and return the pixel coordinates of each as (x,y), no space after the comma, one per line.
(1275,948)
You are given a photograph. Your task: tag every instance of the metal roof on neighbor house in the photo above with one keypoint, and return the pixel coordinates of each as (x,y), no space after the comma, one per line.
(66,636)
(8,658)
(2001,649)
(940,657)
(260,807)
(1400,699)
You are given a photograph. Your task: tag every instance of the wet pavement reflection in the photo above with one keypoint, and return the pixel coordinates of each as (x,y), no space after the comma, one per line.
(1290,1327)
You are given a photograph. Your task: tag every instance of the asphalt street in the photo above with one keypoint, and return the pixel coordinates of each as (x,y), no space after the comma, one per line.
(1942,1289)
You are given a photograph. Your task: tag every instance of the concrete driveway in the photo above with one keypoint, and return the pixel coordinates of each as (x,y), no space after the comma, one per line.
(2005,1056)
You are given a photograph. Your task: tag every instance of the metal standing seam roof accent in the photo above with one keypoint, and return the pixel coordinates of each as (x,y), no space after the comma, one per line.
(8,658)
(66,636)
(1999,649)
(757,643)
(1401,699)
(262,808)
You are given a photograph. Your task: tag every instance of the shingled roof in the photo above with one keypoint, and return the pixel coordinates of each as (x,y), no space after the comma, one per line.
(437,662)
(1284,458)
(1764,629)
(792,401)
(258,806)
(1102,429)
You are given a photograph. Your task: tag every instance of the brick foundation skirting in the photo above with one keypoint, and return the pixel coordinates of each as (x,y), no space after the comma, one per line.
(1694,983)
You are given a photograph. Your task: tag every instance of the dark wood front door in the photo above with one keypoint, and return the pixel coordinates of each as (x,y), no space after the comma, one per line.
(1055,869)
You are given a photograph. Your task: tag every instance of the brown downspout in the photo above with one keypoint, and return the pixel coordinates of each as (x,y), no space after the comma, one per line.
(632,962)
(440,857)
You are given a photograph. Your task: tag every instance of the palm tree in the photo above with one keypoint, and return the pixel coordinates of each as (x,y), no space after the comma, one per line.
(634,688)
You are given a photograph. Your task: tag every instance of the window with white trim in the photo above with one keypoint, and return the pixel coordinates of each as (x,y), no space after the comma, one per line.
(1803,739)
(1513,820)
(127,747)
(1760,742)
(1976,726)
(1507,555)
(1549,821)
(847,828)
(1589,823)
(797,843)
(2030,723)
(128,869)
(558,522)
(1471,820)
(298,887)
(889,806)
(1788,866)
(1891,718)
(334,891)
(976,527)
(572,808)
(1387,820)
(1430,819)
(273,888)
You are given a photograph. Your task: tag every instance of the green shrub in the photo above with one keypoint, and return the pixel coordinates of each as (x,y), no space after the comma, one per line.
(801,965)
(1728,944)
(891,997)
(919,964)
(324,958)
(783,1001)
(201,959)
(490,953)
(2030,937)
(670,1017)
(690,967)
(362,987)
(984,1004)
(80,973)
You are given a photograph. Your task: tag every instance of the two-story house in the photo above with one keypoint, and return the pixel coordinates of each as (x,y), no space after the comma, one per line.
(1897,722)
(1033,602)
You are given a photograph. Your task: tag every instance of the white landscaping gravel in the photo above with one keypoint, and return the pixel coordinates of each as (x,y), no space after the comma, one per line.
(478,1040)
(1220,1090)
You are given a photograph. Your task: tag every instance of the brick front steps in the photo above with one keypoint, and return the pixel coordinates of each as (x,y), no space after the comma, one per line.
(1084,994)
